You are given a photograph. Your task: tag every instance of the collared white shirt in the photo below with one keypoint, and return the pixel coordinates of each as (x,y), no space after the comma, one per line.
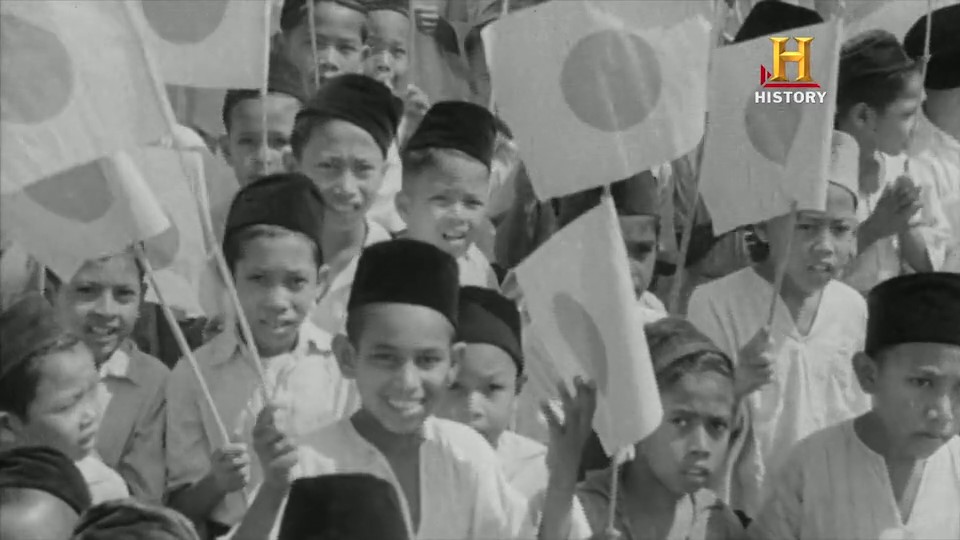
(834,486)
(134,405)
(384,211)
(105,484)
(813,385)
(331,311)
(475,269)
(306,385)
(936,157)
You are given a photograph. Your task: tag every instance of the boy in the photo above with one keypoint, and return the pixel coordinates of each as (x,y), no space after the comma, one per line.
(49,390)
(935,148)
(489,378)
(272,246)
(893,472)
(100,304)
(340,141)
(797,377)
(446,184)
(399,348)
(243,114)
(42,494)
(879,96)
(341,36)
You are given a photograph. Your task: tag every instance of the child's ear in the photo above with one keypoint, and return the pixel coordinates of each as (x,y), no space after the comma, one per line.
(456,359)
(402,201)
(365,53)
(867,372)
(346,355)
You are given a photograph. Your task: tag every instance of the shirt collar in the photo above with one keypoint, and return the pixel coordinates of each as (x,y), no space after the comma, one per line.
(119,366)
(310,340)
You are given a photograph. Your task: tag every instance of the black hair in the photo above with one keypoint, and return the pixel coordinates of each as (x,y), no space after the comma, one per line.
(294,13)
(698,362)
(874,69)
(18,386)
(235,242)
(238,95)
(303,129)
(415,162)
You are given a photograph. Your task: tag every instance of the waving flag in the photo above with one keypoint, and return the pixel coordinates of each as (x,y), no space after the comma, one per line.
(764,149)
(208,43)
(76,84)
(596,91)
(578,292)
(97,209)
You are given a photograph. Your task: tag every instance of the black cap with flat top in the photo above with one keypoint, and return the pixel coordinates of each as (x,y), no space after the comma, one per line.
(943,71)
(916,308)
(457,125)
(488,317)
(771,17)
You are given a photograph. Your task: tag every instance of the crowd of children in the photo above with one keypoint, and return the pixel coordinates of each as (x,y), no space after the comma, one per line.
(379,377)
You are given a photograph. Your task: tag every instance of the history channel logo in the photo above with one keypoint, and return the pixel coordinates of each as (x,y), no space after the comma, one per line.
(777,88)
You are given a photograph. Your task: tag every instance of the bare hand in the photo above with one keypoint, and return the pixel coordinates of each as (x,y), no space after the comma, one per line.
(896,207)
(276,452)
(755,368)
(415,102)
(230,467)
(568,435)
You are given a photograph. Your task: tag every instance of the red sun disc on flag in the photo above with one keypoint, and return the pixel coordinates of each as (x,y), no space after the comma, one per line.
(80,194)
(612,80)
(36,73)
(583,336)
(183,22)
(772,128)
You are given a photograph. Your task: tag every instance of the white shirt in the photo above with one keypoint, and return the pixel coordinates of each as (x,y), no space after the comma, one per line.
(464,493)
(814,384)
(383,211)
(331,311)
(935,156)
(524,462)
(475,269)
(105,483)
(834,486)
(306,385)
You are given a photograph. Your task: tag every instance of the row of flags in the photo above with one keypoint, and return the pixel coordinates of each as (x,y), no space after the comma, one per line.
(594,90)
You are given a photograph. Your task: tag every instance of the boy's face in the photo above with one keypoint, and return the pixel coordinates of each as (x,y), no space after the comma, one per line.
(340,47)
(242,144)
(347,166)
(640,237)
(889,129)
(446,205)
(388,42)
(65,413)
(102,302)
(277,282)
(691,442)
(402,362)
(484,394)
(823,242)
(916,391)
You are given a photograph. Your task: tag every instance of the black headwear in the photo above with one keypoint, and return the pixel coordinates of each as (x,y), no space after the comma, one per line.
(457,125)
(771,17)
(44,469)
(943,71)
(488,317)
(400,6)
(343,507)
(29,325)
(871,54)
(362,101)
(916,308)
(294,11)
(124,519)
(288,200)
(407,272)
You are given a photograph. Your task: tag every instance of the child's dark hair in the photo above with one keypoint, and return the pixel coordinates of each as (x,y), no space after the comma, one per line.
(874,69)
(677,348)
(30,332)
(303,129)
(236,241)
(53,281)
(294,12)
(282,80)
(415,162)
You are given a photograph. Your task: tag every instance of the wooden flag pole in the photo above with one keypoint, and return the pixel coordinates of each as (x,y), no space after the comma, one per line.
(611,529)
(673,303)
(781,270)
(265,84)
(312,24)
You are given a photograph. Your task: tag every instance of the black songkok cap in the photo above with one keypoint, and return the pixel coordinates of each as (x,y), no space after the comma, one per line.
(916,308)
(44,469)
(400,6)
(457,125)
(295,11)
(943,71)
(874,53)
(771,17)
(343,507)
(29,325)
(407,271)
(127,518)
(288,200)
(362,101)
(488,317)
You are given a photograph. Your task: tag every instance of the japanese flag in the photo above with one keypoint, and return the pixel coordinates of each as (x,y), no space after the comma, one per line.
(596,91)
(91,211)
(759,158)
(76,84)
(209,43)
(578,292)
